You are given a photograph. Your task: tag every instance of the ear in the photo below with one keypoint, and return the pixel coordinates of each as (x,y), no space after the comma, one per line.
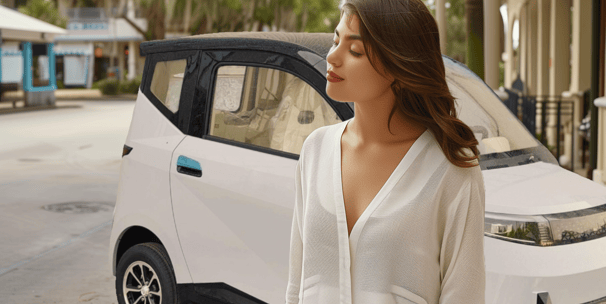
(389,77)
(386,73)
(380,68)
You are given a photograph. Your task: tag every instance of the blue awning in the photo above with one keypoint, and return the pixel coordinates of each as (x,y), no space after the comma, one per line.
(11,53)
(68,52)
(72,53)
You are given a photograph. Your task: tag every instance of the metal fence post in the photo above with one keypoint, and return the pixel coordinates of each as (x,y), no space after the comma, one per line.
(543,121)
(572,142)
(558,126)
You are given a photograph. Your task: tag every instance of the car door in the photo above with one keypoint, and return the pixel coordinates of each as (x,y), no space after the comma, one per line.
(233,184)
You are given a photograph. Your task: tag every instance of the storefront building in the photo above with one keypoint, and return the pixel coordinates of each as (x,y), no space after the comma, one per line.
(96,47)
(27,57)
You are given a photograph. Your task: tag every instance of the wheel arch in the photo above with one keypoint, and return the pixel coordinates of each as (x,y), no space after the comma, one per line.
(130,237)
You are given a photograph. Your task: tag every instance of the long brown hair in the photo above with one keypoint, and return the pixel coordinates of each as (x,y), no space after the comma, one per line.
(403,36)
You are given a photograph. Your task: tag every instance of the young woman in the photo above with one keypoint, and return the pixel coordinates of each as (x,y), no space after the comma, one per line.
(389,204)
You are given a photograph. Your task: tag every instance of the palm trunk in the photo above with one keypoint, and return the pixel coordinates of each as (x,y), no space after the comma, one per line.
(169,6)
(210,16)
(474,16)
(248,19)
(303,18)
(187,17)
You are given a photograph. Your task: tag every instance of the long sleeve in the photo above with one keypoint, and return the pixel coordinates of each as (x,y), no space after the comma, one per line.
(296,244)
(462,253)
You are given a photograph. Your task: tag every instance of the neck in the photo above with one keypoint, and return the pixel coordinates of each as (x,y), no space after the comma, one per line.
(369,125)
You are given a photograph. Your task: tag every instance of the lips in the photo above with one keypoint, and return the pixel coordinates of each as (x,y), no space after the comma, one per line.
(334,75)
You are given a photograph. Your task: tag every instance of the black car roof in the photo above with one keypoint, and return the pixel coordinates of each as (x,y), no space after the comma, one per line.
(284,42)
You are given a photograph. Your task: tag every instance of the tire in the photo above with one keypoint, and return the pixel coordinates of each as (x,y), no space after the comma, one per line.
(147,271)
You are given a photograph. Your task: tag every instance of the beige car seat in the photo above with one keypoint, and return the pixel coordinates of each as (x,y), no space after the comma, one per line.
(300,112)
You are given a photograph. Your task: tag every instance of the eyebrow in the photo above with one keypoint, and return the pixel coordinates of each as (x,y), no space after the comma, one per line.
(351,36)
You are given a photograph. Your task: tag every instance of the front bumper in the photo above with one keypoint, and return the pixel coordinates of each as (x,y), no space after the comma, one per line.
(570,274)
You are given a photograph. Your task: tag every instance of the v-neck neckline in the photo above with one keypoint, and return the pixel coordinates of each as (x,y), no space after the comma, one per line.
(400,169)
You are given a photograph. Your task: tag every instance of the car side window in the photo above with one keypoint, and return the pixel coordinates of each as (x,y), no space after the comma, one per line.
(167,81)
(267,107)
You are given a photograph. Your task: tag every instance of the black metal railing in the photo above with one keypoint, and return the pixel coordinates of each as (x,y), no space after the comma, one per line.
(554,105)
(525,108)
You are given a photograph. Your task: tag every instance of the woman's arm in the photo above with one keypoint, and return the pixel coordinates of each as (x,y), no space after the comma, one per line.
(462,254)
(296,244)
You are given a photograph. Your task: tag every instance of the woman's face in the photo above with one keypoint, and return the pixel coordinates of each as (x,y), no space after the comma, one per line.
(346,58)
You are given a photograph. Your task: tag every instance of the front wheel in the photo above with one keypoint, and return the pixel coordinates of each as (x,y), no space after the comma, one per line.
(145,275)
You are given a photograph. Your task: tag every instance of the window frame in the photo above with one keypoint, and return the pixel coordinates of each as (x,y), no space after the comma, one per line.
(262,59)
(190,77)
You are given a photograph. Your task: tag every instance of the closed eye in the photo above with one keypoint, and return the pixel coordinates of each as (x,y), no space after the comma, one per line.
(352,52)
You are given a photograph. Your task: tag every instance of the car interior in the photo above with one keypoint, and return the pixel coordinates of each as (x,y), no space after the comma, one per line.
(267,107)
(167,81)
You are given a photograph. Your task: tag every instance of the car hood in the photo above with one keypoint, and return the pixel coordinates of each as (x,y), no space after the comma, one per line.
(539,188)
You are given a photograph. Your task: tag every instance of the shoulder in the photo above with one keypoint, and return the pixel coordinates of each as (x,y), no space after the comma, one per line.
(464,176)
(320,138)
(459,189)
(448,180)
(452,171)
(463,186)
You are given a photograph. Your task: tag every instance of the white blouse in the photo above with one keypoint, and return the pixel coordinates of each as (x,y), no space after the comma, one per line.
(420,240)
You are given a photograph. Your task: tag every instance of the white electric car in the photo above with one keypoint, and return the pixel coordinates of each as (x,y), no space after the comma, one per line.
(206,192)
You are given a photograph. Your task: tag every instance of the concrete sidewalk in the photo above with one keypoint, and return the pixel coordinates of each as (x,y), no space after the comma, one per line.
(12,102)
(72,94)
(89,94)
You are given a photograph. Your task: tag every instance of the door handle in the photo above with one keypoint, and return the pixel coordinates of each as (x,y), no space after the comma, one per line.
(186,165)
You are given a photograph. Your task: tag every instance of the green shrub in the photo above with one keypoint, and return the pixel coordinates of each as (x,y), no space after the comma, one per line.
(109,86)
(130,86)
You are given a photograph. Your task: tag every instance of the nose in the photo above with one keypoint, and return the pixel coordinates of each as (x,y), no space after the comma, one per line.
(333,58)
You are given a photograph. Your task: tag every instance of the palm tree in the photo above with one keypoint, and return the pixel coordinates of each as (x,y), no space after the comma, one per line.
(475,36)
(44,10)
(208,16)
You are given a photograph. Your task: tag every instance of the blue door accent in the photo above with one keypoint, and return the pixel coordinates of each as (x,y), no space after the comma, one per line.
(186,165)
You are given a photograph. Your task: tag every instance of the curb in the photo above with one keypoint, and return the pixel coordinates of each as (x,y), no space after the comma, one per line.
(6,105)
(81,98)
(72,94)
(132,97)
(37,108)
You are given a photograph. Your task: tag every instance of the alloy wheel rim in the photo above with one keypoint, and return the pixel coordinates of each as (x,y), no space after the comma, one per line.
(141,285)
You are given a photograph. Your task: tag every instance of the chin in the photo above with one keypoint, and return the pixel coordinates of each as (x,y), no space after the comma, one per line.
(340,95)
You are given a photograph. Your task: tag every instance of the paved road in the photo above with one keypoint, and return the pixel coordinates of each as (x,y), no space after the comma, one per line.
(59,170)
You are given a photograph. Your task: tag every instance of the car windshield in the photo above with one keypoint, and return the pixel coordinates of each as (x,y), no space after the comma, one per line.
(503,139)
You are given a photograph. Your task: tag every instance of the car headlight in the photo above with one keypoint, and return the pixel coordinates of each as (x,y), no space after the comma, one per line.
(548,229)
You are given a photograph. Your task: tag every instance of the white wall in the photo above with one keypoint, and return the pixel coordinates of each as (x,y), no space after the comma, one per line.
(12,66)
